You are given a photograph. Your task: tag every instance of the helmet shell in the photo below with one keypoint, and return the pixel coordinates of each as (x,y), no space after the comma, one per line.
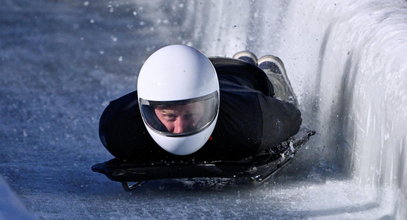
(176,72)
(172,73)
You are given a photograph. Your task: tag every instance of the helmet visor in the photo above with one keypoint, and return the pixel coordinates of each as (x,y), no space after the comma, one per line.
(180,118)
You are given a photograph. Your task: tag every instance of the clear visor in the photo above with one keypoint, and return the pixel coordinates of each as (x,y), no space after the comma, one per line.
(180,118)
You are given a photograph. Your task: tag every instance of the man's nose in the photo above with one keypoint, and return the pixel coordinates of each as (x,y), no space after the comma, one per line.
(179,125)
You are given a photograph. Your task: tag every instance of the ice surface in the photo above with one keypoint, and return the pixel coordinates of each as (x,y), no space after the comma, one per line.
(61,62)
(10,206)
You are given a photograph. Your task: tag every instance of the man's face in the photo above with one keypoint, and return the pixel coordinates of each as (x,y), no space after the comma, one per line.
(181,118)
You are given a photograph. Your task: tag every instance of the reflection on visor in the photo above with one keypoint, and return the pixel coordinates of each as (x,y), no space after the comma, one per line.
(180,118)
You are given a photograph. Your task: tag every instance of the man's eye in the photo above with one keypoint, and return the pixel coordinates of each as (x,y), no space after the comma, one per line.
(170,117)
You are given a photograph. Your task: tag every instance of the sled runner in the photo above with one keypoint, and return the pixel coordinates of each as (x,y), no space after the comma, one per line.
(257,168)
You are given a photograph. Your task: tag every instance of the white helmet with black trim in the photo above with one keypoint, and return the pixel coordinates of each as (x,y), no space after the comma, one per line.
(178,92)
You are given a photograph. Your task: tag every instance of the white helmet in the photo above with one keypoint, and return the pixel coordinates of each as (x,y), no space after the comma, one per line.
(178,91)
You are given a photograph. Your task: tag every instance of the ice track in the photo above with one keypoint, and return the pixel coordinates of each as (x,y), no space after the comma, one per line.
(61,62)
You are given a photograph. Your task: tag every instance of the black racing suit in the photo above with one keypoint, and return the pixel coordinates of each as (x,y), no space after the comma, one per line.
(250,119)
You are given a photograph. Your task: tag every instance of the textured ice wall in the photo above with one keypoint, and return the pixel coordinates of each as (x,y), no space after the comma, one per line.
(353,76)
(347,61)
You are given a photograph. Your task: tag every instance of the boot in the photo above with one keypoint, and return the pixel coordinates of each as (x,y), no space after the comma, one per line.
(274,68)
(246,56)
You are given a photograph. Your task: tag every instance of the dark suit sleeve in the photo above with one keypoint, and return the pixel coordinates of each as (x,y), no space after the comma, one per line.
(122,131)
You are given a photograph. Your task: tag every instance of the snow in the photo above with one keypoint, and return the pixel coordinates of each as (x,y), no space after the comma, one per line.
(61,62)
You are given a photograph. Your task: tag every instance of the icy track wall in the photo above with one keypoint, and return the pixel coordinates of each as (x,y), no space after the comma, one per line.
(347,61)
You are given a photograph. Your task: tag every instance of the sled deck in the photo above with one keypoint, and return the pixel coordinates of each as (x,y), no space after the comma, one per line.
(257,168)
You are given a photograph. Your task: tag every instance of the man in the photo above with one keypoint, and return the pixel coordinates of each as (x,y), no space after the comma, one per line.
(188,106)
